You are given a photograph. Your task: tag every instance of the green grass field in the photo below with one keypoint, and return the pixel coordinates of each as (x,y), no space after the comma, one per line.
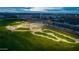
(26,41)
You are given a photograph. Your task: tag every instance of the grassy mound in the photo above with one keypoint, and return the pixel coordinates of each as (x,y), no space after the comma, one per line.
(27,41)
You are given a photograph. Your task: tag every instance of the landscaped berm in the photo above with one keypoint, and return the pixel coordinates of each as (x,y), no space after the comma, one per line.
(35,36)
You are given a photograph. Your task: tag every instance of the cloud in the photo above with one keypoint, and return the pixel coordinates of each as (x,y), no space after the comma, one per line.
(44,8)
(38,9)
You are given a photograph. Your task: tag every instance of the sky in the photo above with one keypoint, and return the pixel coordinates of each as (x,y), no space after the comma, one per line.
(40,9)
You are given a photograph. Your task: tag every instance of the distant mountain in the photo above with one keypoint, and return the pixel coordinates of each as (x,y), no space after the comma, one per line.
(69,10)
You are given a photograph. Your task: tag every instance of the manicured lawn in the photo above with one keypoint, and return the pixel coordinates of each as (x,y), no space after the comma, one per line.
(40,33)
(22,29)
